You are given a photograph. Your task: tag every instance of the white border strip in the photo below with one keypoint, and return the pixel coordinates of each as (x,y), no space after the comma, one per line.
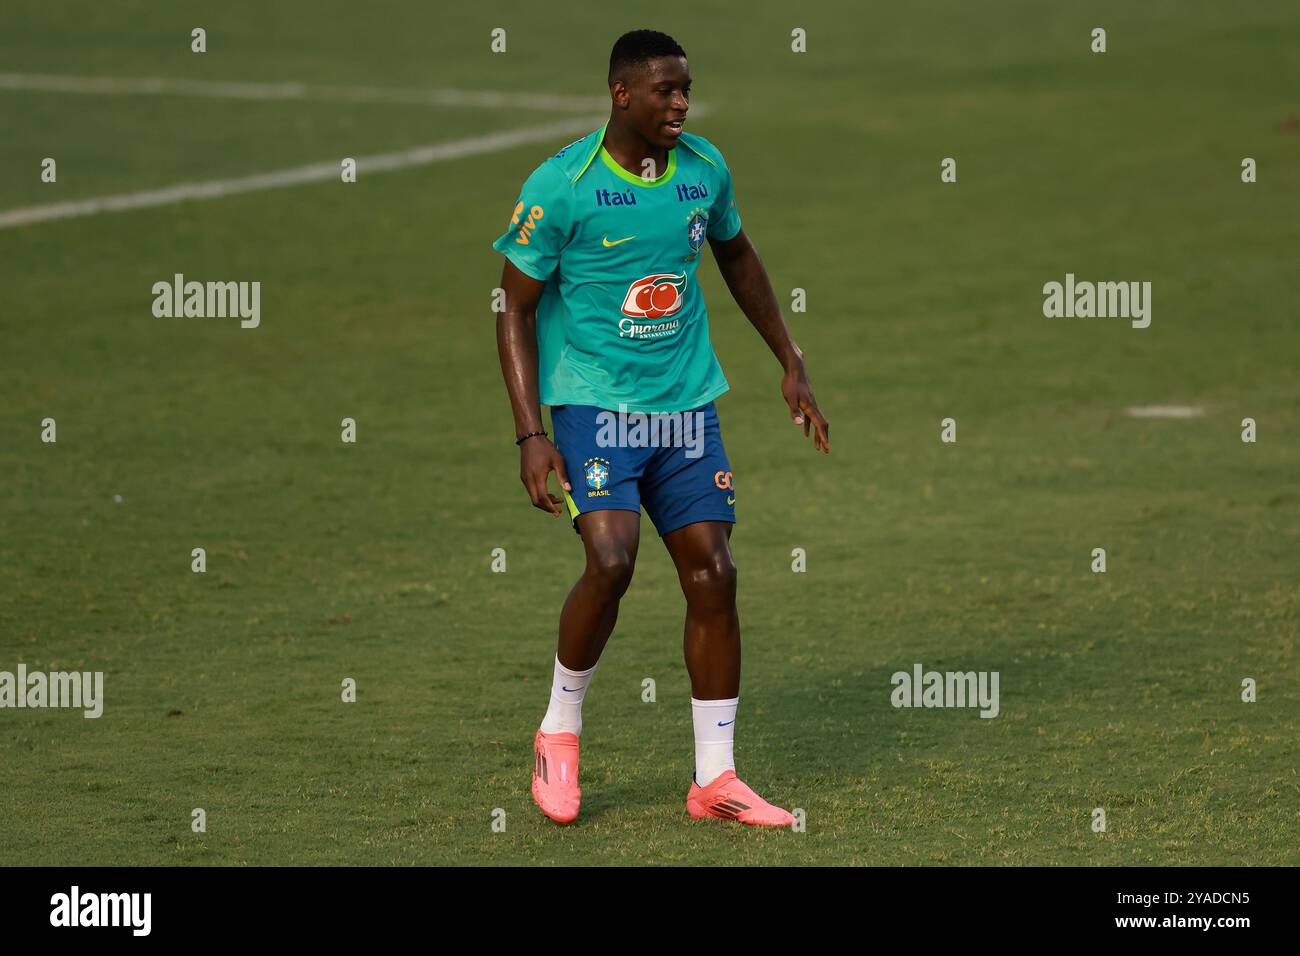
(1165,411)
(315,173)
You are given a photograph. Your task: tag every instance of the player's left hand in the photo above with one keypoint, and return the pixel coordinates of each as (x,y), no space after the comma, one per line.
(803,407)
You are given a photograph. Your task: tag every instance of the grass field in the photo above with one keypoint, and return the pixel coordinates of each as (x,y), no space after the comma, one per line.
(372,561)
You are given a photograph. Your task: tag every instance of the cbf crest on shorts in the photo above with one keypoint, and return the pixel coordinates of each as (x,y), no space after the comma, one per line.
(596,472)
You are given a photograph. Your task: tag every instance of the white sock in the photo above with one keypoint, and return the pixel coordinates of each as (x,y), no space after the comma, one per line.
(564,715)
(715,734)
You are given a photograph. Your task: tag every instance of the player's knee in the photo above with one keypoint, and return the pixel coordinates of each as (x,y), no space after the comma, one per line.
(611,570)
(713,582)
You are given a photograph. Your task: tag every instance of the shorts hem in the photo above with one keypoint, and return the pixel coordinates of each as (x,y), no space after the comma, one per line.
(693,519)
(577,531)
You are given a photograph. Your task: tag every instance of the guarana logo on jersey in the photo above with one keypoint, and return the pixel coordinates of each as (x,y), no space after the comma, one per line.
(654,297)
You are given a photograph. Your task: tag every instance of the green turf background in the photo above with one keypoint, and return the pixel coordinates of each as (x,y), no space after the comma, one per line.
(371,561)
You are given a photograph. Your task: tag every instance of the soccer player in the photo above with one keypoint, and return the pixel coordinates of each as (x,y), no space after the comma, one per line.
(605,323)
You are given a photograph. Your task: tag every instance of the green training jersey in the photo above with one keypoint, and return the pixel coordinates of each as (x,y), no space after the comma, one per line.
(621,321)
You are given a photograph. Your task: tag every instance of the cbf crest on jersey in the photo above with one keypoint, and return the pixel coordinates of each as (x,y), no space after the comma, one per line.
(695,232)
(596,472)
(697,225)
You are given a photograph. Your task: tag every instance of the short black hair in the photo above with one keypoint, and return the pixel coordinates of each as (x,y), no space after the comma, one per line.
(638,47)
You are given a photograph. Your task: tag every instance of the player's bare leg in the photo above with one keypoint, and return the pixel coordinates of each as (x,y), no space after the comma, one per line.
(702,554)
(610,539)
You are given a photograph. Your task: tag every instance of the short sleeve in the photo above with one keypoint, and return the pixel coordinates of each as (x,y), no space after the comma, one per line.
(724,218)
(540,225)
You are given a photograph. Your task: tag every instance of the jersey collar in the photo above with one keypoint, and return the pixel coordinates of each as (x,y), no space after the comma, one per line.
(617,170)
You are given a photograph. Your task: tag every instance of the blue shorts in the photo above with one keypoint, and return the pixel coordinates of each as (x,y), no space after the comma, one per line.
(674,465)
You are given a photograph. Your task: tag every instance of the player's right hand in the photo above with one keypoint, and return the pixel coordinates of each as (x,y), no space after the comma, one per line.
(537,459)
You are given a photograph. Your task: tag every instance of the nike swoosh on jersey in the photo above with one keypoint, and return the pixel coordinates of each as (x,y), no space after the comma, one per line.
(606,243)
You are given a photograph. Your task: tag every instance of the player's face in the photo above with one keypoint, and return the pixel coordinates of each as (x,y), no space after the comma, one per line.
(658,99)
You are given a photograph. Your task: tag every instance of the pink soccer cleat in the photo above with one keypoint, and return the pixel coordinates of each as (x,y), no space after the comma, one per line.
(728,797)
(555,776)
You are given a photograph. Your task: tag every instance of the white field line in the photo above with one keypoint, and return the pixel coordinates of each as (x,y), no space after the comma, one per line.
(1165,411)
(482,99)
(315,173)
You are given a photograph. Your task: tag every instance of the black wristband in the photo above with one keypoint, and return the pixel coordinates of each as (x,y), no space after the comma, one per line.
(520,441)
